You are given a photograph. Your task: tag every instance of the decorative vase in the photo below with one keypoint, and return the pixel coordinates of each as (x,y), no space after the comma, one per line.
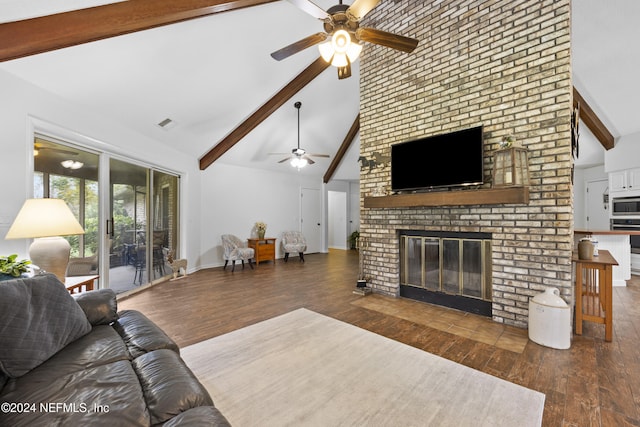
(585,249)
(261,234)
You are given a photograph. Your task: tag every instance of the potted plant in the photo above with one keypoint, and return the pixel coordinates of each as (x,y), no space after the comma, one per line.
(261,228)
(10,268)
(353,239)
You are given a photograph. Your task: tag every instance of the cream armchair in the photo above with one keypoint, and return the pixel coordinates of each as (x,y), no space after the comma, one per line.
(234,250)
(293,241)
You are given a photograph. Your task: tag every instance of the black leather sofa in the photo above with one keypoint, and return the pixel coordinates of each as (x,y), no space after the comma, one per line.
(77,361)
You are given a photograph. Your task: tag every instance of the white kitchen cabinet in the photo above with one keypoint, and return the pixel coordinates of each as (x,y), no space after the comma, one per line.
(624,180)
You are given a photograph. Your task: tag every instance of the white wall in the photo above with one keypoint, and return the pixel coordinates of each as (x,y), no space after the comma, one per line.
(625,154)
(234,198)
(25,108)
(221,199)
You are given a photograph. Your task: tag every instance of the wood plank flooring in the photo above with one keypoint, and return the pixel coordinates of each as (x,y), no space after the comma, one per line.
(594,383)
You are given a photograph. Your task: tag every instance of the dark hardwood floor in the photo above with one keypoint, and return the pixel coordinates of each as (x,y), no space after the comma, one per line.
(594,383)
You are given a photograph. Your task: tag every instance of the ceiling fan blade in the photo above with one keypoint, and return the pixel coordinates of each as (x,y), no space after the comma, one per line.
(311,8)
(308,159)
(318,155)
(58,150)
(285,159)
(298,46)
(360,8)
(383,38)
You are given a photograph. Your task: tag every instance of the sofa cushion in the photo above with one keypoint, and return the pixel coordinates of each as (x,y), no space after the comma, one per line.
(104,395)
(100,306)
(101,346)
(200,416)
(38,317)
(168,385)
(142,335)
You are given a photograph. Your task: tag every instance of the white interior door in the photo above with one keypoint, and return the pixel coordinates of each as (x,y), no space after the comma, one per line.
(310,218)
(597,209)
(337,206)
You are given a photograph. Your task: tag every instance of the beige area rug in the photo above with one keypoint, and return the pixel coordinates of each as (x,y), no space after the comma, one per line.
(307,369)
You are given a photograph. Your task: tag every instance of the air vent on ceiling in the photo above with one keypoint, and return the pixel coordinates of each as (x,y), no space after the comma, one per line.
(167,124)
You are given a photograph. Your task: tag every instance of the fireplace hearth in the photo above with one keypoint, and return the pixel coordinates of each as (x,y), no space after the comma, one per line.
(452,269)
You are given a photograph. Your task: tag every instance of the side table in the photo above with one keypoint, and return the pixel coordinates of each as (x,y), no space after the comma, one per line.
(593,291)
(77,284)
(265,248)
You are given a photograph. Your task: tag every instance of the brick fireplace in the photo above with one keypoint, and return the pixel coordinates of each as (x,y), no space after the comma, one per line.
(505,66)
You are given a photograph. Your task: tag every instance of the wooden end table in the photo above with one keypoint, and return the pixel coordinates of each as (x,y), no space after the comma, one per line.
(265,249)
(593,291)
(77,284)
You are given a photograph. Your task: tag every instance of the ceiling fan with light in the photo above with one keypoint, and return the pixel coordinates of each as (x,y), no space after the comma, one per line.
(299,157)
(340,43)
(37,148)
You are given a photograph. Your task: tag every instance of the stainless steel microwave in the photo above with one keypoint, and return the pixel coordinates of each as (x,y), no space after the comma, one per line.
(627,206)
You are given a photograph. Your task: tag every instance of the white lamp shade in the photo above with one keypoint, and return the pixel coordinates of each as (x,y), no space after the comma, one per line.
(44,218)
(47,220)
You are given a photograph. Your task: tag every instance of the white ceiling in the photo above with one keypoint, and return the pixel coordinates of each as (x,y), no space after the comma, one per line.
(209,74)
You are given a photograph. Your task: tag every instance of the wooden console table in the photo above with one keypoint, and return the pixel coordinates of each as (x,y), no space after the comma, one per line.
(77,284)
(593,291)
(265,249)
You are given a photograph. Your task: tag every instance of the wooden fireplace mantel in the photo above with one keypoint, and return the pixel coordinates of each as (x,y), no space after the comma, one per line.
(489,196)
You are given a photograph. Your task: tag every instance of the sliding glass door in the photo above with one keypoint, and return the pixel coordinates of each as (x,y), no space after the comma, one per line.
(143,228)
(127,225)
(69,173)
(138,218)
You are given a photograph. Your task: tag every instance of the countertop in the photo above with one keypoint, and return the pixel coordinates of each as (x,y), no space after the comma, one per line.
(607,232)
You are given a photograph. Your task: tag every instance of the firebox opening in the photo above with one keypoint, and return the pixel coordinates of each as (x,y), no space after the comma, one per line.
(452,269)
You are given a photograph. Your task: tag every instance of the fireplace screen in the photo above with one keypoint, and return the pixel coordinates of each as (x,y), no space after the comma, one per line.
(452,265)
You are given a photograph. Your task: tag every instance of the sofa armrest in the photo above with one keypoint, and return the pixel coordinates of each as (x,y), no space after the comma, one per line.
(100,306)
(141,335)
(168,385)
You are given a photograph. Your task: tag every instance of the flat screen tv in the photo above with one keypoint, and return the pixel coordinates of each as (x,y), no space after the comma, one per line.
(438,162)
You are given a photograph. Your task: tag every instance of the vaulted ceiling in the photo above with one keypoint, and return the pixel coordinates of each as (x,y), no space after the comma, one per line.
(210,74)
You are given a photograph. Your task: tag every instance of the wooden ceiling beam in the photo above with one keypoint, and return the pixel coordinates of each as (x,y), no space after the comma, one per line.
(593,122)
(344,147)
(43,34)
(262,113)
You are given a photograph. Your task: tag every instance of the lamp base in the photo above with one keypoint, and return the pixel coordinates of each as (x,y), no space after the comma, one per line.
(51,255)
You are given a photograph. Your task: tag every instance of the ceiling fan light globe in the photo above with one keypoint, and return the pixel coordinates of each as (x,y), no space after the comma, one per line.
(326,51)
(341,41)
(353,52)
(339,60)
(298,162)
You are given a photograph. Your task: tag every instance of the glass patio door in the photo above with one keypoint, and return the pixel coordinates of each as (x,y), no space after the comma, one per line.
(143,224)
(127,225)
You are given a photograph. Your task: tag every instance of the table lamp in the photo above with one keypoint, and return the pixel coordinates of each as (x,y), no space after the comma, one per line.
(46,220)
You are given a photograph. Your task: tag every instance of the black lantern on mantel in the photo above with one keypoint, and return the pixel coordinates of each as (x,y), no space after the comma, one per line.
(510,167)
